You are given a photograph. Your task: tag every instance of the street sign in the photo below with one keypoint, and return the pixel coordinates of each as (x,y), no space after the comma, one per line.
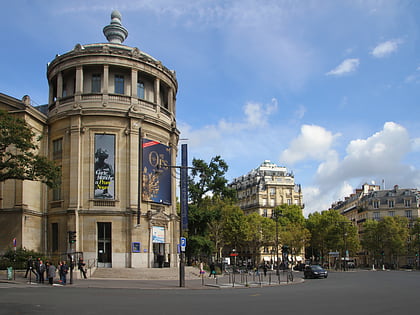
(183,244)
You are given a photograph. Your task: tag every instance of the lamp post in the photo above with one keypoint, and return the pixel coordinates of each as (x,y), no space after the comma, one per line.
(345,234)
(183,221)
(277,214)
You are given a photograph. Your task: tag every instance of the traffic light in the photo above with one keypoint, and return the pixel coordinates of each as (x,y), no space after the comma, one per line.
(72,237)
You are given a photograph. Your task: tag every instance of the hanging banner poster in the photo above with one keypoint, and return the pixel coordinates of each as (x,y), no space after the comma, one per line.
(156,173)
(104,166)
(158,234)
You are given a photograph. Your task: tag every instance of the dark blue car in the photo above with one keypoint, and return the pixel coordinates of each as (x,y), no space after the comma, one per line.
(315,271)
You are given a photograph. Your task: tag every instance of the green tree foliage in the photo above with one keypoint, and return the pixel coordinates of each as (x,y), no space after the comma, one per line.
(210,198)
(18,154)
(209,179)
(235,227)
(415,240)
(293,231)
(386,239)
(331,231)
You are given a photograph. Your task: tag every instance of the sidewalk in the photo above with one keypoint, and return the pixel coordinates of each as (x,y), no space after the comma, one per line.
(167,281)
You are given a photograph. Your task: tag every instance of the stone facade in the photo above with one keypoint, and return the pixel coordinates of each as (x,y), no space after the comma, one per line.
(263,189)
(110,123)
(266,187)
(373,203)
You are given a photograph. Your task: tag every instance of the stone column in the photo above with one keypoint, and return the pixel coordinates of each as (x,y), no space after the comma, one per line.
(134,76)
(79,84)
(59,85)
(156,98)
(106,84)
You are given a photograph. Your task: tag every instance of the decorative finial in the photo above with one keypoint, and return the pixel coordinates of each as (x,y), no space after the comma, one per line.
(114,32)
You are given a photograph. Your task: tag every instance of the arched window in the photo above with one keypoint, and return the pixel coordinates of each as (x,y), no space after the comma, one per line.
(140,90)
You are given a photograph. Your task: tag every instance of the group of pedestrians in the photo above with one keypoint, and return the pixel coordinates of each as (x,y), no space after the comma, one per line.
(47,271)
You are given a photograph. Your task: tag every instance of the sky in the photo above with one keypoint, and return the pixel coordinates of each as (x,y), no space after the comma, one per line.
(329,89)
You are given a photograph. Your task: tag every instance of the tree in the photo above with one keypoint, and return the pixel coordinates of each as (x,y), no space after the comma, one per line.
(372,240)
(395,236)
(293,232)
(209,196)
(386,239)
(18,154)
(235,227)
(415,240)
(209,179)
(331,231)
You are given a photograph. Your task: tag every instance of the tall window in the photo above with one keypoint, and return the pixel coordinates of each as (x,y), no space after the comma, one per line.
(376,215)
(64,93)
(407,203)
(391,203)
(376,204)
(408,214)
(57,155)
(58,149)
(96,83)
(119,84)
(56,192)
(140,90)
(265,213)
(54,233)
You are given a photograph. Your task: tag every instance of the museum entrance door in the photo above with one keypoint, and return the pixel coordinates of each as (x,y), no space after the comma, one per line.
(104,245)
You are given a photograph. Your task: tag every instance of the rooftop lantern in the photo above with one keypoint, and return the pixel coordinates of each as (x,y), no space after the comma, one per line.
(114,32)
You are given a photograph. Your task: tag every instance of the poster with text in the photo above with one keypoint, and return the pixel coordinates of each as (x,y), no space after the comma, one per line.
(104,166)
(158,234)
(156,173)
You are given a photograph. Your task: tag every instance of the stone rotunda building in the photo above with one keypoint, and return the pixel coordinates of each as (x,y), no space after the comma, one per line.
(110,123)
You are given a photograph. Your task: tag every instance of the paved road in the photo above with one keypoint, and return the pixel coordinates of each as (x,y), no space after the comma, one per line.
(363,292)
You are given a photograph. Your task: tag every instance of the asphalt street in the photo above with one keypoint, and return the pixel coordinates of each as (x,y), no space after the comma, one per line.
(358,292)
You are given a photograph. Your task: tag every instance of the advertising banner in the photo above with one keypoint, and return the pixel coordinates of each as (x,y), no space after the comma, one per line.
(156,173)
(158,234)
(104,166)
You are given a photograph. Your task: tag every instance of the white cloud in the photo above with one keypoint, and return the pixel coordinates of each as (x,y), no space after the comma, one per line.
(379,156)
(314,142)
(347,66)
(415,144)
(386,48)
(300,112)
(257,114)
(316,199)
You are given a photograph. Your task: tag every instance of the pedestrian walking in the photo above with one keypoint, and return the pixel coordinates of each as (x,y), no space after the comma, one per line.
(51,270)
(41,271)
(212,270)
(81,265)
(29,267)
(63,270)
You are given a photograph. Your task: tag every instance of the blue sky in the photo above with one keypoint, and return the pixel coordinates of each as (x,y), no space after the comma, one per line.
(330,89)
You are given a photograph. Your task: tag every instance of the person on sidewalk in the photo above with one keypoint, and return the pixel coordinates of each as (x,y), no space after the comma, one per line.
(81,265)
(29,267)
(63,270)
(41,271)
(212,270)
(51,273)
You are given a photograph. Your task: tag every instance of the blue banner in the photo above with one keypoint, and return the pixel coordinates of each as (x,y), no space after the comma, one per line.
(156,173)
(184,187)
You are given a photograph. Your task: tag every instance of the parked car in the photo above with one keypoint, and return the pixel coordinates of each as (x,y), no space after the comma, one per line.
(315,271)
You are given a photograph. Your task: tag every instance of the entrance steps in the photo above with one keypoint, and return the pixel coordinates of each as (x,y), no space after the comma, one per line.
(144,273)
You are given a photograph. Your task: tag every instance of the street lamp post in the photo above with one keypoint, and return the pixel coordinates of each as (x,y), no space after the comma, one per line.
(183,222)
(277,214)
